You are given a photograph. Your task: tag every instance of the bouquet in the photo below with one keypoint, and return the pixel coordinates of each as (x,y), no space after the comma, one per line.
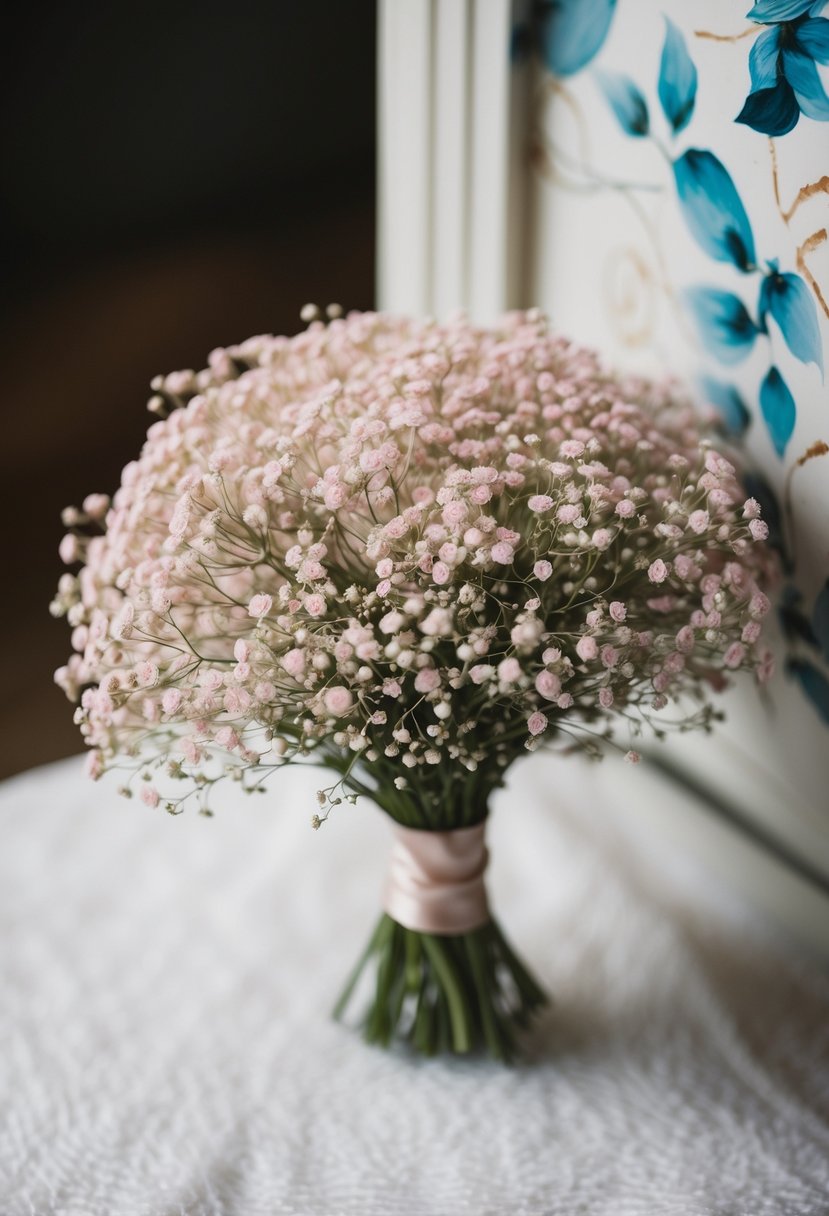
(410,552)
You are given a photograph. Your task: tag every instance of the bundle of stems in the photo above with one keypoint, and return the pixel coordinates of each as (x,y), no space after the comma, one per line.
(462,993)
(443,993)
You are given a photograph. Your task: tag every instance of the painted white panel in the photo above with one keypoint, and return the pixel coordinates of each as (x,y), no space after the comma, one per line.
(613,255)
(405,154)
(453,181)
(451,123)
(489,170)
(551,203)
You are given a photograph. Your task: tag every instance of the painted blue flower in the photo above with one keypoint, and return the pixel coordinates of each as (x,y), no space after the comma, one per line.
(767,11)
(782,63)
(571,32)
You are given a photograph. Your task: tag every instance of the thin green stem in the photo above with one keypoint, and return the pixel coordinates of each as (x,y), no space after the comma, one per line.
(452,990)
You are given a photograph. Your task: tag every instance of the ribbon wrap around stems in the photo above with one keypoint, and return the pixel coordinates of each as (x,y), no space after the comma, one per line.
(435,882)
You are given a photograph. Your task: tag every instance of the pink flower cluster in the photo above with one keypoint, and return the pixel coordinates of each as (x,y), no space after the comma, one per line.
(416,546)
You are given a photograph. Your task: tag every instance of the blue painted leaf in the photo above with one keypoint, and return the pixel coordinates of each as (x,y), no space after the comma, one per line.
(771,111)
(790,302)
(757,487)
(677,79)
(778,10)
(713,209)
(762,60)
(626,101)
(572,32)
(793,620)
(778,409)
(725,327)
(801,73)
(814,684)
(520,43)
(729,404)
(812,36)
(820,619)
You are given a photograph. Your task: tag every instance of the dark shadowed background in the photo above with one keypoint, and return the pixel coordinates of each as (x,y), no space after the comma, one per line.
(173,177)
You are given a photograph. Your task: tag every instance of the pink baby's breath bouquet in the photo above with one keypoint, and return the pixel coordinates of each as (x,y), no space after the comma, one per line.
(410,552)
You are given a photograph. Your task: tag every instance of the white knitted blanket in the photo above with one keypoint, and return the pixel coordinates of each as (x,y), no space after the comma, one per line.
(165,1045)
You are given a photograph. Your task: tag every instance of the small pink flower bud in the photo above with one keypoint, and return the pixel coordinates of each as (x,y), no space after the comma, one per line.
(338,700)
(503,553)
(260,605)
(586,648)
(539,503)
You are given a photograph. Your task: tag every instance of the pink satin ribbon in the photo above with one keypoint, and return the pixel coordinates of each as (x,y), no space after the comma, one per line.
(435,882)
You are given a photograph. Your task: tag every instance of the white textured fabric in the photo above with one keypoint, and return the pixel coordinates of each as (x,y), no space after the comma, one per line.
(165,1046)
